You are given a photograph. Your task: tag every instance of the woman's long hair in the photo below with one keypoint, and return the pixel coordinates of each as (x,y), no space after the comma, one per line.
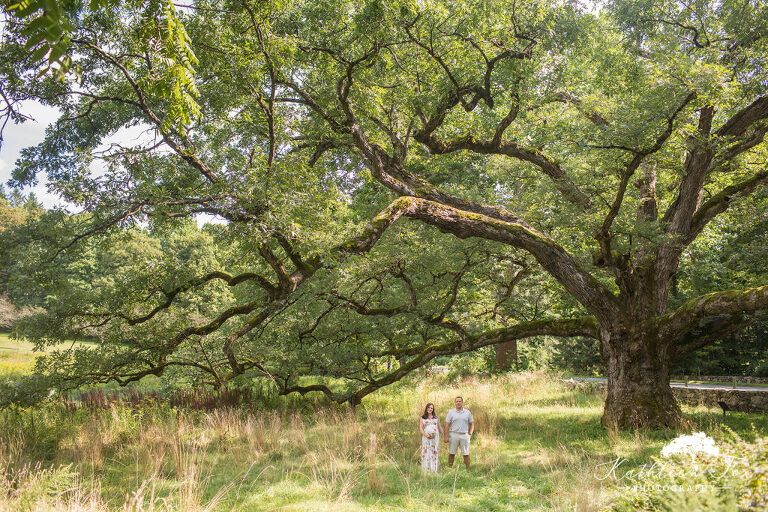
(425,416)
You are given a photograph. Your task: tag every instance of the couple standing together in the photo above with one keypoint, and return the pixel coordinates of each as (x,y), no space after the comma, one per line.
(459,426)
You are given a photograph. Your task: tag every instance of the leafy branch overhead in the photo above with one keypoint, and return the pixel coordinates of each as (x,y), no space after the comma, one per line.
(47,29)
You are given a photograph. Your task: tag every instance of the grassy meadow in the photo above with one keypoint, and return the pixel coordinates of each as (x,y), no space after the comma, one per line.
(16,356)
(538,446)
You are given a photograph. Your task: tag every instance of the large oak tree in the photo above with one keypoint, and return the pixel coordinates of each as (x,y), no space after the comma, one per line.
(586,147)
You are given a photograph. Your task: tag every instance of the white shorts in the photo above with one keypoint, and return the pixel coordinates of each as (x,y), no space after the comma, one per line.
(455,440)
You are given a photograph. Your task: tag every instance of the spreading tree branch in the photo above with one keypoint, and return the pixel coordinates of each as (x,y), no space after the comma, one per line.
(183,152)
(698,312)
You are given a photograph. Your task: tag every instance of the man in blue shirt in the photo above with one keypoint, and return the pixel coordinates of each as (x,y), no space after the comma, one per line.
(460,425)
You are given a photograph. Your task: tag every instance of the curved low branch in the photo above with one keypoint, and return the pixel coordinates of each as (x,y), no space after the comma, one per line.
(693,313)
(563,327)
(417,357)
(708,331)
(303,390)
(586,326)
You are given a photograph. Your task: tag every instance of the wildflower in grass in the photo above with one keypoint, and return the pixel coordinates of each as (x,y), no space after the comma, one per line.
(696,443)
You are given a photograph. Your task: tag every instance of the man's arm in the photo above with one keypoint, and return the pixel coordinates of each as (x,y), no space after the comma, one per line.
(445,436)
(471,427)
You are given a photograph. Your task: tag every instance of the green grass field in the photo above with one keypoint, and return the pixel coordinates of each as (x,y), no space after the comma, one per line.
(538,446)
(17,357)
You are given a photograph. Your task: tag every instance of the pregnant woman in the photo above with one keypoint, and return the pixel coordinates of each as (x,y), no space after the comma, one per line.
(429,425)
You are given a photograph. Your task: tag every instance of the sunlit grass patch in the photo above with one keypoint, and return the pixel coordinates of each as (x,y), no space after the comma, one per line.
(17,356)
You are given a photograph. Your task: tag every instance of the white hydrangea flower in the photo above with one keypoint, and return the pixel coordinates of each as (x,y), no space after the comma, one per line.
(698,442)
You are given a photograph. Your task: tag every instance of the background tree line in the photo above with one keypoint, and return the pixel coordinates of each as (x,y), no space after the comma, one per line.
(193,246)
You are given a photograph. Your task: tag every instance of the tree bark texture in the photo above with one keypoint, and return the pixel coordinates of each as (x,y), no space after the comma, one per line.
(638,372)
(506,355)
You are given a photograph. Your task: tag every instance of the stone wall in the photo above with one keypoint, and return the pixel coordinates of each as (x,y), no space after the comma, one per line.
(744,401)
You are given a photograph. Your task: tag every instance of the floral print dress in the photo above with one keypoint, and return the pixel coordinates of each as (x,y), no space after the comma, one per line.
(430,447)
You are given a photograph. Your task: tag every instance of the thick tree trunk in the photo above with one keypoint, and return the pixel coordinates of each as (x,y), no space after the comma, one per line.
(638,371)
(506,355)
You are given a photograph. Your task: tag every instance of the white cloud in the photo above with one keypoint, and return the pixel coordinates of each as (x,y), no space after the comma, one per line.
(19,136)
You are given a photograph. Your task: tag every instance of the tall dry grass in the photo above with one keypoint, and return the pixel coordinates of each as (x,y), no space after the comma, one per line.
(156,458)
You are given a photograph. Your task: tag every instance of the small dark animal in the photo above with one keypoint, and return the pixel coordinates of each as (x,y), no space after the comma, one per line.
(724,407)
